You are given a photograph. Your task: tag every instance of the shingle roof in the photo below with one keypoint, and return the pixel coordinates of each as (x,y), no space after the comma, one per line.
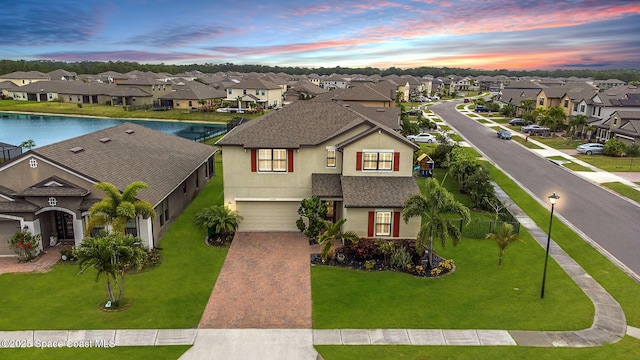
(373,191)
(326,185)
(161,160)
(54,186)
(303,123)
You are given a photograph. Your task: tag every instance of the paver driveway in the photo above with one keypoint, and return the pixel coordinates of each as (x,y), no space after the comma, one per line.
(264,284)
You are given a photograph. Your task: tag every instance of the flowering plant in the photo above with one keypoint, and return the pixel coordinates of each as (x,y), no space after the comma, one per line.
(25,244)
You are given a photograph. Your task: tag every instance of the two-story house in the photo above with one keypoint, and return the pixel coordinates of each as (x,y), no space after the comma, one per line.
(255,93)
(24,77)
(360,167)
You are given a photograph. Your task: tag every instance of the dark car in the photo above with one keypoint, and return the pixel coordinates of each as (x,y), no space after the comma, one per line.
(482,108)
(516,122)
(504,134)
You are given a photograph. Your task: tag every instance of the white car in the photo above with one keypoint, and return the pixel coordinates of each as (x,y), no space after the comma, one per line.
(422,138)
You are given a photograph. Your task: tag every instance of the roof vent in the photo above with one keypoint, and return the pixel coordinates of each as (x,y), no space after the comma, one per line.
(105,140)
(129,131)
(76,149)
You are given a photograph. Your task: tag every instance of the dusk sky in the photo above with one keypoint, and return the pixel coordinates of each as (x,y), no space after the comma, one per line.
(482,34)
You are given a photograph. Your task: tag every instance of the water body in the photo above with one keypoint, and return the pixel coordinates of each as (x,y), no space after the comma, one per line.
(46,129)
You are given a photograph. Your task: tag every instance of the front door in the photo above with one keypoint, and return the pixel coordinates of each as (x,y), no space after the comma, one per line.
(64,226)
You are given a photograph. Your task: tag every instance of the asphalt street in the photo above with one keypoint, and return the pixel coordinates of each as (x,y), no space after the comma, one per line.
(610,221)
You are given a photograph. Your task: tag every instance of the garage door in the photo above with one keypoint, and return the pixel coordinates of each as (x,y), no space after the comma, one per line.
(7,229)
(268,215)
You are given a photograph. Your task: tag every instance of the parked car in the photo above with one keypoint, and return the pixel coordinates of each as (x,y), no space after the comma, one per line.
(466,100)
(516,122)
(482,108)
(590,148)
(504,134)
(422,138)
(534,129)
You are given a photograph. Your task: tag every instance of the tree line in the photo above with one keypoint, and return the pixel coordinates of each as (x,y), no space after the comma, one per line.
(96,67)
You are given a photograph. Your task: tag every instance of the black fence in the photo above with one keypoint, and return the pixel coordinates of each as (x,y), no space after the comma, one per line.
(479,228)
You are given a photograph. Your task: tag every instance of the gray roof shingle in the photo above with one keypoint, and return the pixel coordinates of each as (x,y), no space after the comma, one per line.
(161,160)
(326,185)
(374,191)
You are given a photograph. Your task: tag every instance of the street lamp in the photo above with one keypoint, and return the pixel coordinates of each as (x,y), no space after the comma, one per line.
(553,199)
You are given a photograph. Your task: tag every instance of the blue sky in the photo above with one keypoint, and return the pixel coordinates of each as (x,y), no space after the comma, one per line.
(511,34)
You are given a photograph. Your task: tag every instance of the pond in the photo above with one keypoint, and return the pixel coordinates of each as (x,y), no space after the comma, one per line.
(47,129)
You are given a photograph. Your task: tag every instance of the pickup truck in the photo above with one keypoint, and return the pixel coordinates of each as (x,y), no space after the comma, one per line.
(534,129)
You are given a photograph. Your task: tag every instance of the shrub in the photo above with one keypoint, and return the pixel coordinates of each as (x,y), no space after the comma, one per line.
(633,150)
(440,155)
(369,265)
(400,258)
(25,244)
(386,248)
(314,211)
(614,147)
(363,250)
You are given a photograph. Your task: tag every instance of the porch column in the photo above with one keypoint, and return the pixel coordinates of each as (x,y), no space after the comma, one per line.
(145,232)
(78,231)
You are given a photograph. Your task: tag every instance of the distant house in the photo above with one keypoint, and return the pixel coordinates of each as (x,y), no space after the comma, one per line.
(190,95)
(49,189)
(361,168)
(8,151)
(24,77)
(255,93)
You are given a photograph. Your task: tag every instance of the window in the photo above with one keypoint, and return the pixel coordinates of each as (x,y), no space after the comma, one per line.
(541,101)
(566,103)
(272,160)
(184,187)
(190,103)
(377,160)
(262,91)
(229,91)
(383,223)
(210,167)
(197,179)
(163,210)
(70,98)
(257,91)
(244,91)
(575,107)
(582,109)
(331,158)
(131,228)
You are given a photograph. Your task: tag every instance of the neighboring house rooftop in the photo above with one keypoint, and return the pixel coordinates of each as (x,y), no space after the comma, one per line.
(129,152)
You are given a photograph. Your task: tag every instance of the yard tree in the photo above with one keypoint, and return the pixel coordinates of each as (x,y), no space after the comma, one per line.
(331,234)
(111,255)
(435,205)
(527,105)
(578,122)
(504,236)
(314,210)
(118,208)
(28,144)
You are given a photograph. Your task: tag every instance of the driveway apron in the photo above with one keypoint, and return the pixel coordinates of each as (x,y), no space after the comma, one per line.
(264,284)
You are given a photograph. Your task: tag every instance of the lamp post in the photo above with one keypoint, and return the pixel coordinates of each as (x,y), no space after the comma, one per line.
(553,199)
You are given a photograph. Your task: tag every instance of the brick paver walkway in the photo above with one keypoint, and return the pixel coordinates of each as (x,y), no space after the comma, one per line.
(265,283)
(42,264)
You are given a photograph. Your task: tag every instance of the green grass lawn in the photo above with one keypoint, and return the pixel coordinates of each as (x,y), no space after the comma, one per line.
(125,352)
(624,190)
(570,164)
(117,112)
(559,142)
(612,163)
(626,349)
(172,295)
(483,121)
(526,143)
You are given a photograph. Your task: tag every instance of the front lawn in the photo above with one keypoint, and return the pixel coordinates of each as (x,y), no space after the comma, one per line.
(172,295)
(559,142)
(624,190)
(478,295)
(117,112)
(612,163)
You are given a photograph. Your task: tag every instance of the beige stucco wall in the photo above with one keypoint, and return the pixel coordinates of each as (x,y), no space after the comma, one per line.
(358,221)
(378,141)
(20,175)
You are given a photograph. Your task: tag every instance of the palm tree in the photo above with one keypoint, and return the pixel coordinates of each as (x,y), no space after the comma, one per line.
(578,122)
(557,117)
(118,208)
(433,206)
(219,219)
(332,234)
(239,99)
(527,105)
(111,255)
(28,144)
(503,237)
